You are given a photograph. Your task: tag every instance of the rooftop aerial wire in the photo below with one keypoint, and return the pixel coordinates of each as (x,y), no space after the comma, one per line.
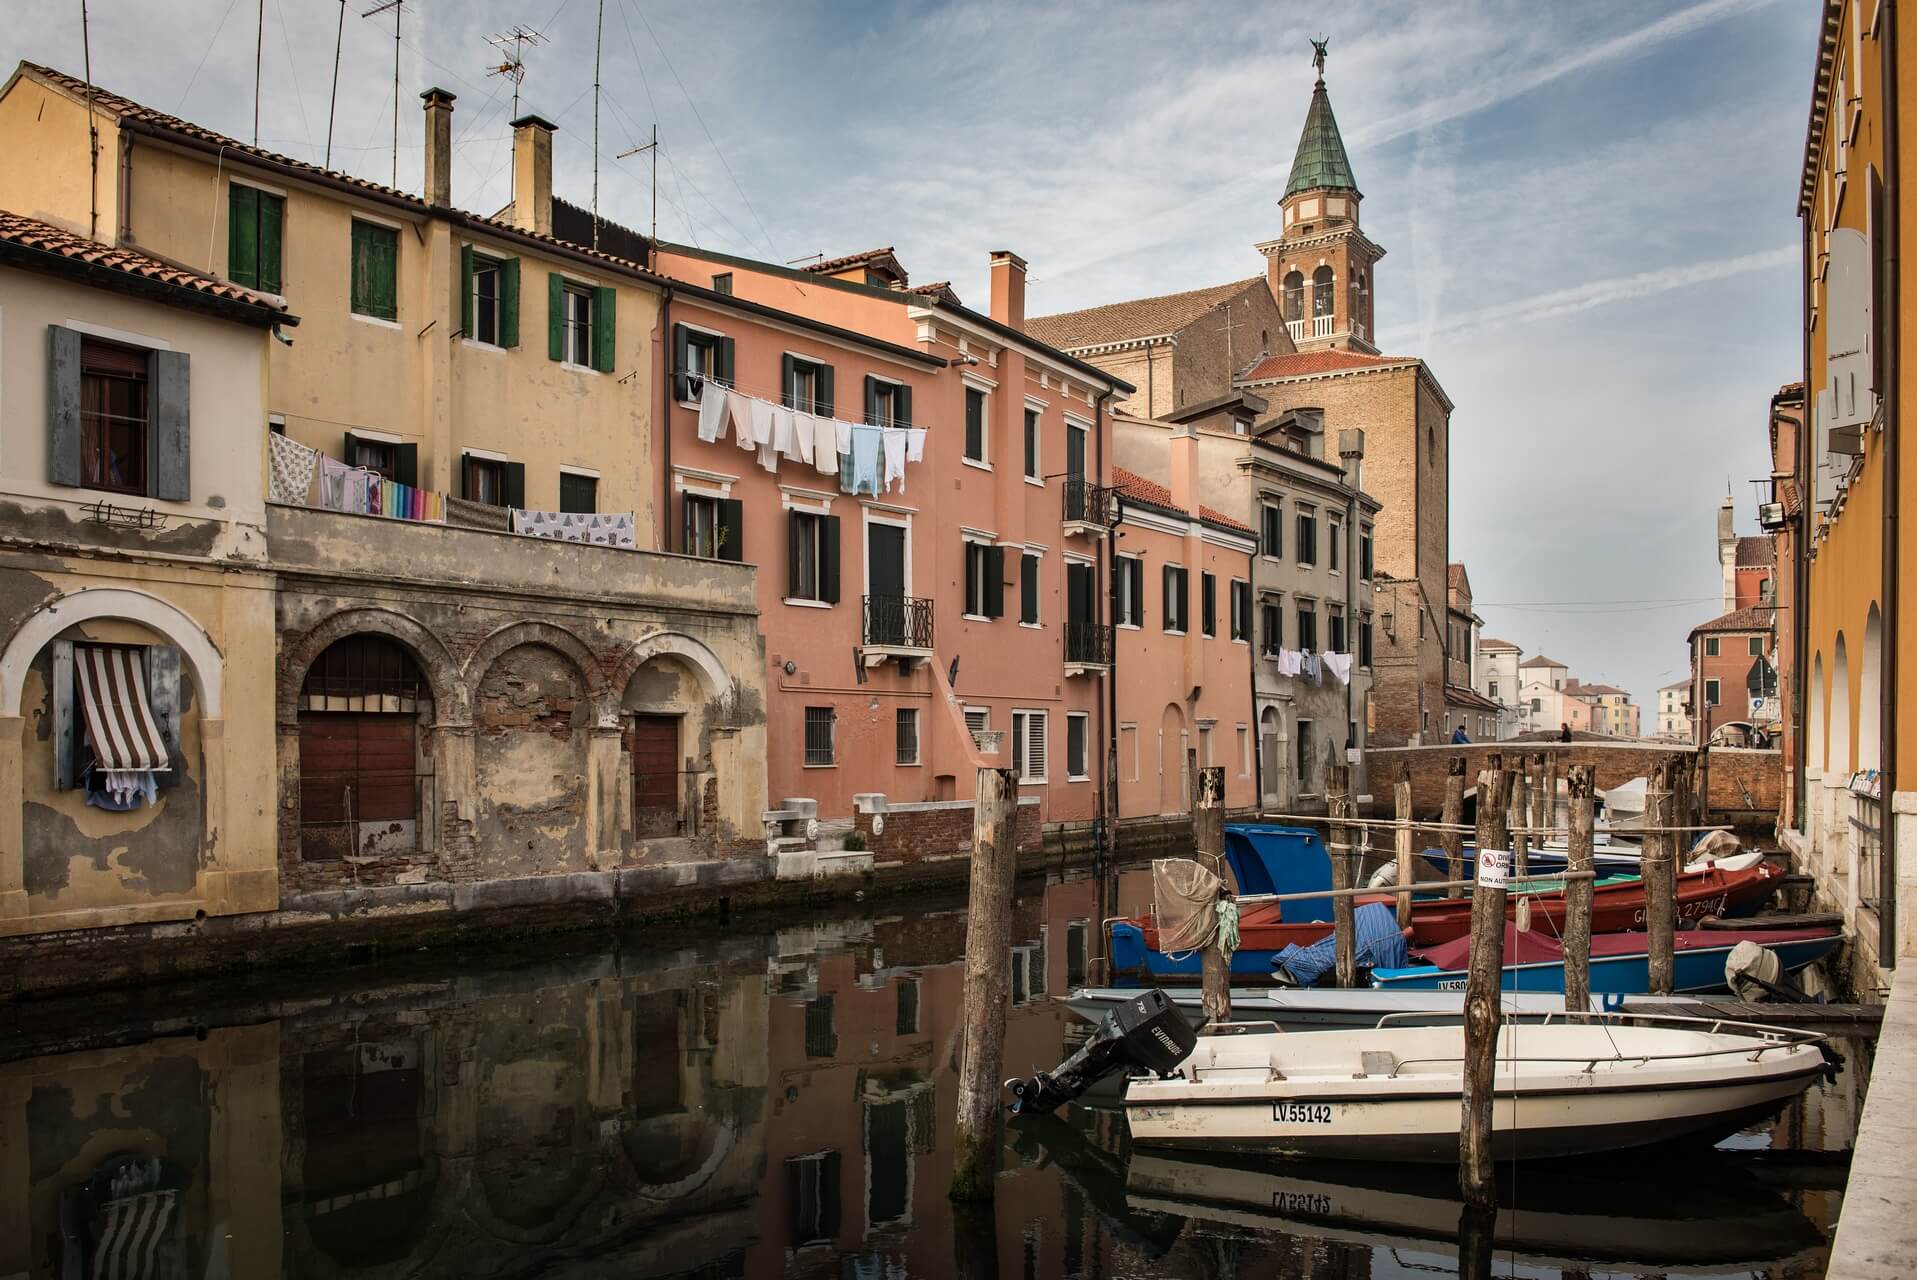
(93,127)
(398,9)
(653,147)
(332,103)
(259,50)
(598,32)
(513,67)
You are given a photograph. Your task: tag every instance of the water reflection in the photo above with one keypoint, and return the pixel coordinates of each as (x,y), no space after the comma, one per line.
(760,1104)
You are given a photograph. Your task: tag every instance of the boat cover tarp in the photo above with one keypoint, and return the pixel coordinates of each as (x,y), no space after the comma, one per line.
(1541,948)
(1380,945)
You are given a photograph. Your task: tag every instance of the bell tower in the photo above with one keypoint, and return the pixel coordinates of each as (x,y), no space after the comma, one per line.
(1320,267)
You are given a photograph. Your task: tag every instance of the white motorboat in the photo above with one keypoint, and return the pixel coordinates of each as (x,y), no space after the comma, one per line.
(1315,1009)
(1609,1082)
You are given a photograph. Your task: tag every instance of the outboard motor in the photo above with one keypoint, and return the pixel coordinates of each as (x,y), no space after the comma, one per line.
(1146,1031)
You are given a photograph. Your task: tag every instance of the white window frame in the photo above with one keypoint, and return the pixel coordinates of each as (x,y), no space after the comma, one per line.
(984,724)
(570,289)
(485,262)
(1023,719)
(896,520)
(918,738)
(985,389)
(702,331)
(1036,408)
(1084,721)
(1137,563)
(1232,603)
(971,540)
(1184,601)
(1038,601)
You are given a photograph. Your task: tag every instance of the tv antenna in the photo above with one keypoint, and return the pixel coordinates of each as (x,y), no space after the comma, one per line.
(653,147)
(513,66)
(397,8)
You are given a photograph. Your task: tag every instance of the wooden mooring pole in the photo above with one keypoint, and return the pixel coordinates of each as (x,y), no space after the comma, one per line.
(1339,804)
(1520,815)
(988,971)
(1453,817)
(1401,801)
(1659,865)
(1208,840)
(1578,893)
(1476,1176)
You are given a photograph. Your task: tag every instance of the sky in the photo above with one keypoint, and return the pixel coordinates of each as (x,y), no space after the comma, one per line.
(1588,210)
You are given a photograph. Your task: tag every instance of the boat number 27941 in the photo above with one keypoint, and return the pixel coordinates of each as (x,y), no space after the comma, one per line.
(1292,1112)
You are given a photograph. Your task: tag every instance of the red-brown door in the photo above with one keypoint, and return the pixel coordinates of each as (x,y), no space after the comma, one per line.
(355,769)
(655,775)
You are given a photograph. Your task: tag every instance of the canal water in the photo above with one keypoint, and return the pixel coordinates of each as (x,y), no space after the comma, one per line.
(745,1101)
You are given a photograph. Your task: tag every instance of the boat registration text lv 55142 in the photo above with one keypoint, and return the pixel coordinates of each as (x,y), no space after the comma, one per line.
(1293,1112)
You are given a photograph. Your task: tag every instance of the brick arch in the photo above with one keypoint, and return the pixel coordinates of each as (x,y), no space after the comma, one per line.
(712,673)
(605,707)
(452,703)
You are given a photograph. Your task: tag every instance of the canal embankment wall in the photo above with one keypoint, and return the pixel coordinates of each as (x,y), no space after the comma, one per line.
(1873,1239)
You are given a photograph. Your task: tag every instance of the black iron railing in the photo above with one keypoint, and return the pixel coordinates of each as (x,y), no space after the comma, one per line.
(900,621)
(1087,501)
(1088,642)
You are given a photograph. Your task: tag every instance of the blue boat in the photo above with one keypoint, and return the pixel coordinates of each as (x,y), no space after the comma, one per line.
(1620,964)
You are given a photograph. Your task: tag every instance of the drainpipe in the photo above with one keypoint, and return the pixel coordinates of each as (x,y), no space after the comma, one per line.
(1106,850)
(1890,322)
(665,423)
(1251,660)
(1800,587)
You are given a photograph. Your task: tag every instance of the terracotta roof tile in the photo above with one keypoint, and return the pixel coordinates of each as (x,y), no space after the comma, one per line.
(939,290)
(1755,552)
(34,234)
(1136,488)
(1487,642)
(1755,618)
(1296,364)
(829,265)
(1211,516)
(1137,318)
(1542,661)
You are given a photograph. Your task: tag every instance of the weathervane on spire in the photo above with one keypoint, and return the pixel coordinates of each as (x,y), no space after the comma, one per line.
(1318,54)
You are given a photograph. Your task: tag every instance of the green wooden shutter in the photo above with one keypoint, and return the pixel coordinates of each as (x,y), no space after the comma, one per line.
(728,352)
(272,237)
(406,464)
(1167,578)
(791,554)
(172,473)
(829,559)
(902,405)
(242,235)
(871,400)
(386,277)
(63,405)
(555,316)
(508,303)
(466,316)
(731,529)
(1028,589)
(826,398)
(681,361)
(788,374)
(360,266)
(605,314)
(512,484)
(994,582)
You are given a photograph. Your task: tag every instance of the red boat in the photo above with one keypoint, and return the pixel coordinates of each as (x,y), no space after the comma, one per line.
(1617,907)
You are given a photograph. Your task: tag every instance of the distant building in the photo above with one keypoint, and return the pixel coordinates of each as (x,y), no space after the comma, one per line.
(1673,711)
(1541,693)
(1733,684)
(1464,707)
(1495,675)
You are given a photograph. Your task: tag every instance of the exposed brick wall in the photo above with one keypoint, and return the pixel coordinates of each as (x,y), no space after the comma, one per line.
(1737,777)
(913,835)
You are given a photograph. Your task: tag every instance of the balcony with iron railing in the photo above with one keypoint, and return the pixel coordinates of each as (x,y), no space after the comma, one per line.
(1087,507)
(1315,327)
(1089,647)
(896,627)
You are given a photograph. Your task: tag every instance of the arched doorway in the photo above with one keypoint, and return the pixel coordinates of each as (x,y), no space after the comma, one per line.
(361,712)
(1870,693)
(1838,746)
(1174,780)
(1817,733)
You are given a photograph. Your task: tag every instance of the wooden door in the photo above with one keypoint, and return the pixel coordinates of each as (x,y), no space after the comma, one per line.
(655,775)
(358,784)
(885,583)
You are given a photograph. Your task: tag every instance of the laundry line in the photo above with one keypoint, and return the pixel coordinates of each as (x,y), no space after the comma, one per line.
(863,457)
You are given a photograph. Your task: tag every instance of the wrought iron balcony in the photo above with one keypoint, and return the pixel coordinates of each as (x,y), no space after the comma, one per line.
(1088,646)
(1088,505)
(898,625)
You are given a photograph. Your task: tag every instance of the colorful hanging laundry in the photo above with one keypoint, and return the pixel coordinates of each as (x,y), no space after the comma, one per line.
(600,528)
(290,476)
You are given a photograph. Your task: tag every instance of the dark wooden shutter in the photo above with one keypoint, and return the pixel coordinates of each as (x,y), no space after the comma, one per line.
(902,405)
(727,350)
(605,319)
(466,316)
(406,464)
(829,559)
(1208,603)
(162,663)
(172,474)
(824,408)
(63,405)
(1165,580)
(731,529)
(994,582)
(242,235)
(346,449)
(788,375)
(1136,582)
(791,554)
(272,219)
(512,484)
(509,303)
(555,316)
(681,361)
(871,400)
(1028,589)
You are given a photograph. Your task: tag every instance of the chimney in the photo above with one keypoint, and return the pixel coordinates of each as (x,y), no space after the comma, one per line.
(532,174)
(1008,289)
(439,147)
(1184,467)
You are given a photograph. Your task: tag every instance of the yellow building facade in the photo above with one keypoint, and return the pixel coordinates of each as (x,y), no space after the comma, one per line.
(1857,736)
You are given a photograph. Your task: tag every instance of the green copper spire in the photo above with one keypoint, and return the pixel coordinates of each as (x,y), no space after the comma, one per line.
(1321,161)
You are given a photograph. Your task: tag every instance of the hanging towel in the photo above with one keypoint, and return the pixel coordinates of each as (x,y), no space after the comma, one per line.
(844,430)
(825,446)
(866,445)
(478,515)
(739,410)
(1314,668)
(893,443)
(292,469)
(712,411)
(1291,663)
(1339,665)
(915,444)
(798,433)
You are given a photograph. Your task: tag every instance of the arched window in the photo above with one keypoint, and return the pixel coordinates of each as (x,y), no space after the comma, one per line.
(1321,288)
(1870,693)
(1837,745)
(1814,756)
(359,712)
(1295,296)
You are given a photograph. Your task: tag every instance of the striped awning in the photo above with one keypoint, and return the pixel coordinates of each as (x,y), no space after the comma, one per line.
(120,725)
(131,1233)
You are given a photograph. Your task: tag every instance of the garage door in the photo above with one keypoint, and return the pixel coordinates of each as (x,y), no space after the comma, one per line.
(358,789)
(655,775)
